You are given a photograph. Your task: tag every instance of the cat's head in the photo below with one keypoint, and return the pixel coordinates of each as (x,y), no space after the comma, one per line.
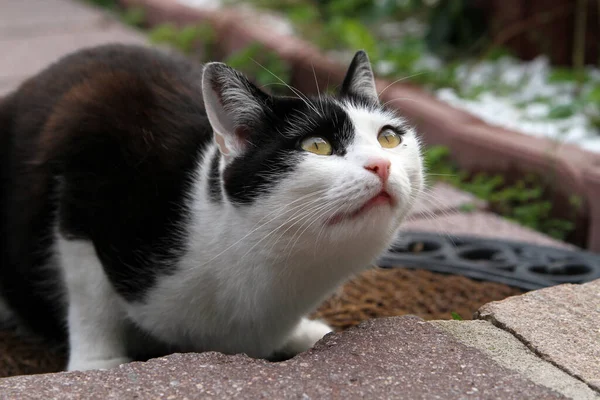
(328,168)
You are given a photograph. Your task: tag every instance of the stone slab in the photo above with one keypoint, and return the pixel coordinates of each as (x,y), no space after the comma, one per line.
(441,199)
(9,84)
(27,56)
(389,358)
(511,353)
(26,18)
(560,323)
(483,224)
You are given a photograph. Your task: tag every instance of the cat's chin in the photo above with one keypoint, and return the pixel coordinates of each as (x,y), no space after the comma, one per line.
(383,199)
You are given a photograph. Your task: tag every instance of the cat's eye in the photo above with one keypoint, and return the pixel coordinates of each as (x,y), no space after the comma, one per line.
(317,145)
(389,138)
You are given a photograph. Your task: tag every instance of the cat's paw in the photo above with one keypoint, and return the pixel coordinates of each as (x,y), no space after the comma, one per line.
(84,365)
(307,333)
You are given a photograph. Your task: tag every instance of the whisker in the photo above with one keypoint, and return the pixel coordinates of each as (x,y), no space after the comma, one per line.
(400,80)
(301,209)
(256,228)
(402,98)
(294,90)
(317,85)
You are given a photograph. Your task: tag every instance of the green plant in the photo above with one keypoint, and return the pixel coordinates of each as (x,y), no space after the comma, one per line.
(456,316)
(134,16)
(186,38)
(524,201)
(266,68)
(456,27)
(108,4)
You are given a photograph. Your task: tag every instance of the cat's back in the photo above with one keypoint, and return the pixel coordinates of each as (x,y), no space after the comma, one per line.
(114,119)
(111,88)
(103,145)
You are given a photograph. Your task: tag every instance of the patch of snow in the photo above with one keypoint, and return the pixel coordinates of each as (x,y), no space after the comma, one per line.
(519,96)
(202,4)
(384,67)
(428,62)
(270,20)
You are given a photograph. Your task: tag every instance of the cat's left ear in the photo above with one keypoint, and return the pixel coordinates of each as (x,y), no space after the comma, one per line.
(233,106)
(359,80)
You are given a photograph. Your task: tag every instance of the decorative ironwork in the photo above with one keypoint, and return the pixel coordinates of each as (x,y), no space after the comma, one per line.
(516,264)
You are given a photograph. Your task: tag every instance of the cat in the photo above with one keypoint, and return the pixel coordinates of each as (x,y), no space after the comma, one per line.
(153,205)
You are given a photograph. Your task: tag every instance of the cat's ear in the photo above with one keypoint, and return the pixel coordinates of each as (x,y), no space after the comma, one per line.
(359,80)
(233,106)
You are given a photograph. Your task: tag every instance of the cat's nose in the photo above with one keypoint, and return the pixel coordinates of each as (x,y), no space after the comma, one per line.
(380,167)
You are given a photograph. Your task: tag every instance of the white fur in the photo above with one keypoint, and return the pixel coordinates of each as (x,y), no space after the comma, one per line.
(95,315)
(251,273)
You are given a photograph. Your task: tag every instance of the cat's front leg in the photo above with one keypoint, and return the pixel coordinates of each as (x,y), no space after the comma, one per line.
(304,336)
(96,319)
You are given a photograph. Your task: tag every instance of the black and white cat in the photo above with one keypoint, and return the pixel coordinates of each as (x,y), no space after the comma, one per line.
(151,205)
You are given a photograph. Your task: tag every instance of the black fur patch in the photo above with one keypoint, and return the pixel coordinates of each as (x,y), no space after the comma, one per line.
(214,178)
(274,147)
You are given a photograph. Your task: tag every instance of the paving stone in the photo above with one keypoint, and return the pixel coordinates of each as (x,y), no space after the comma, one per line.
(389,358)
(29,55)
(482,224)
(560,323)
(442,198)
(26,18)
(9,84)
(511,353)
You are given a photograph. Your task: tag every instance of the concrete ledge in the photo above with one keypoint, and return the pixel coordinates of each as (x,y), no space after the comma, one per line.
(388,358)
(509,352)
(561,324)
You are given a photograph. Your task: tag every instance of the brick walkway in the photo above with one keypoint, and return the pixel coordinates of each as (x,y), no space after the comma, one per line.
(393,358)
(34,33)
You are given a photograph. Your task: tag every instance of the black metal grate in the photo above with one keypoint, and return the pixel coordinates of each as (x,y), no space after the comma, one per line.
(516,264)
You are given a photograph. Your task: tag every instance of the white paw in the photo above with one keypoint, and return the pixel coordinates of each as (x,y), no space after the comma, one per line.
(84,365)
(307,333)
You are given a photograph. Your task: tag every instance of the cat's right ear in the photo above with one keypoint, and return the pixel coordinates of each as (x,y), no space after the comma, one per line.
(359,80)
(233,105)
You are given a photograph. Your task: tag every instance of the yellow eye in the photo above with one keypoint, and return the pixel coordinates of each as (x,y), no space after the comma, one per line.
(317,145)
(389,138)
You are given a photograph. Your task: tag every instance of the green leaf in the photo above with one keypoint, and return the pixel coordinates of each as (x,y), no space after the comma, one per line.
(263,65)
(594,95)
(562,111)
(135,16)
(456,316)
(562,75)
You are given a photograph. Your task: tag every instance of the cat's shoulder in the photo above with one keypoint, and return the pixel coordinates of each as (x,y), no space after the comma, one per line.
(132,99)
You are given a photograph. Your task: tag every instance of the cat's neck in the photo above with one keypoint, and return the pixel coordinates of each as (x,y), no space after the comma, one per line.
(276,256)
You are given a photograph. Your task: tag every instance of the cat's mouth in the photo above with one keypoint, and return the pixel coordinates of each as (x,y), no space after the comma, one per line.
(383,198)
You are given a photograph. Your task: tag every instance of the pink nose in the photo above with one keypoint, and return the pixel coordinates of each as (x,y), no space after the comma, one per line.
(380,167)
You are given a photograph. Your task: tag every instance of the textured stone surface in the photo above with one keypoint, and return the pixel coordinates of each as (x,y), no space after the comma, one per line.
(28,18)
(511,353)
(29,55)
(561,324)
(442,199)
(483,224)
(402,357)
(35,33)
